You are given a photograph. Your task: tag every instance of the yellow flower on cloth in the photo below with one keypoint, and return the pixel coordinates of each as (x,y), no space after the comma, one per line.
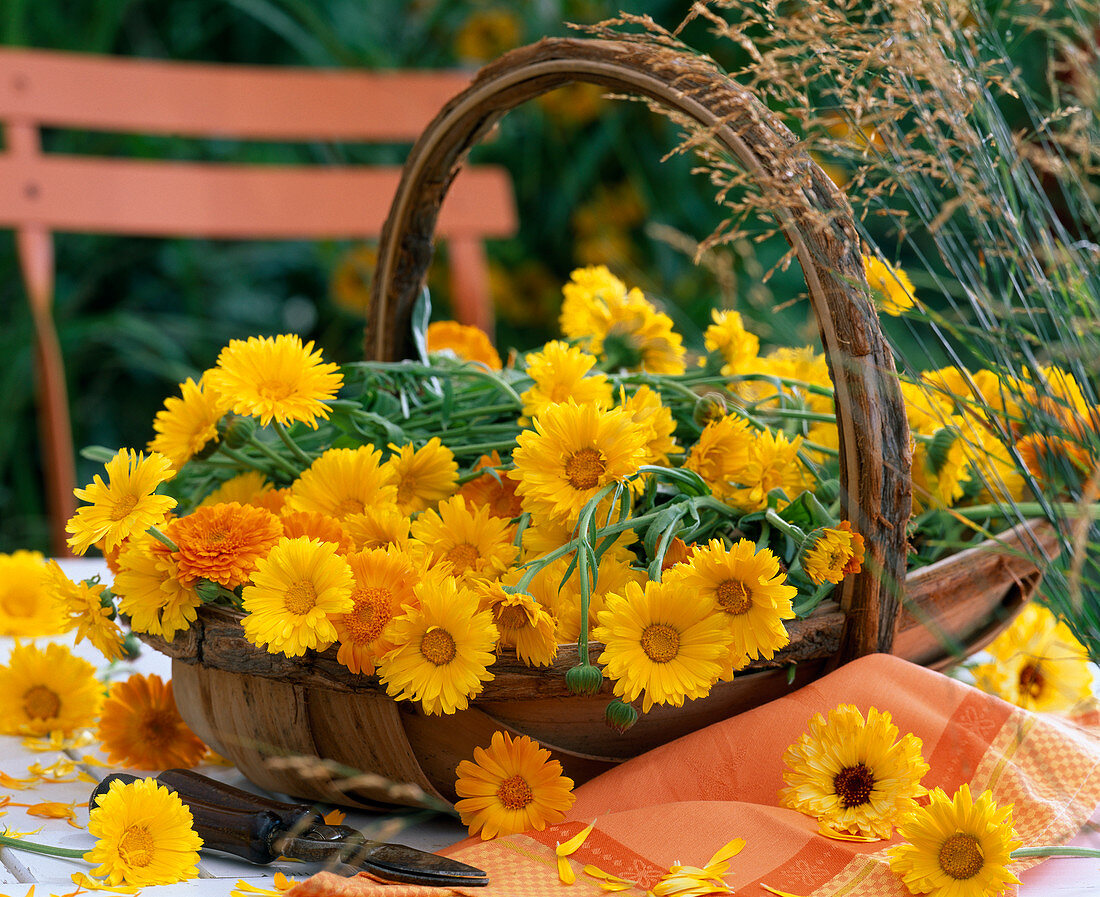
(573,452)
(275,378)
(187,422)
(141,727)
(829,554)
(691,881)
(43,691)
(443,647)
(728,336)
(344,481)
(749,589)
(892,288)
(224,543)
(423,476)
(1038,664)
(384,581)
(144,836)
(562,372)
(477,545)
(296,591)
(511,786)
(467,343)
(956,847)
(126,504)
(663,642)
(150,589)
(523,623)
(852,774)
(80,606)
(26,603)
(720,452)
(623,327)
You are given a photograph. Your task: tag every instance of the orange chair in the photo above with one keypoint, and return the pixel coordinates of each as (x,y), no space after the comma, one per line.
(45,192)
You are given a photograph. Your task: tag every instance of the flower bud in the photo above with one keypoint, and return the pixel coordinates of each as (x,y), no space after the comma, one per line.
(710,407)
(620,716)
(584,679)
(236,430)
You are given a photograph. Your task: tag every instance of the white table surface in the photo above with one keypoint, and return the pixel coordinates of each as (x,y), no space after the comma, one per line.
(218,873)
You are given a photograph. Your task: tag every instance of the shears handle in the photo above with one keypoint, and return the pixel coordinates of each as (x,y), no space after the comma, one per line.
(227,818)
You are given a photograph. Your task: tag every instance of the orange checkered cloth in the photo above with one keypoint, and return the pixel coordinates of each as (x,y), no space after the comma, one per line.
(682,801)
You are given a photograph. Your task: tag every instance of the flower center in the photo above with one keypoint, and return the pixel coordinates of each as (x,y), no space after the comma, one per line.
(136,846)
(1031,680)
(511,617)
(961,856)
(438,646)
(660,642)
(40,702)
(584,468)
(515,793)
(734,597)
(273,390)
(123,507)
(853,785)
(301,597)
(348,506)
(216,536)
(17,603)
(406,490)
(158,728)
(367,619)
(463,556)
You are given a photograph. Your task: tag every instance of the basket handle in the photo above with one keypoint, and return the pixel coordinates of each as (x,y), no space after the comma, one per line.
(815,219)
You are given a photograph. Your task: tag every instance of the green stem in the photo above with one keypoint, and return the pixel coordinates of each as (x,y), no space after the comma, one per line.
(162,538)
(284,435)
(1029,509)
(45,850)
(483,448)
(280,462)
(783,526)
(241,458)
(1022,852)
(478,411)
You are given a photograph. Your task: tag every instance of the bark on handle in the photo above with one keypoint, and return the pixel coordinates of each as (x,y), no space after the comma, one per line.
(814,217)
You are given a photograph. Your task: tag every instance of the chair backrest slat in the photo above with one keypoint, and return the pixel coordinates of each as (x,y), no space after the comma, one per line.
(198,99)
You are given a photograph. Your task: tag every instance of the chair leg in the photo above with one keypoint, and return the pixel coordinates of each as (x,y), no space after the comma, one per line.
(35,248)
(470,283)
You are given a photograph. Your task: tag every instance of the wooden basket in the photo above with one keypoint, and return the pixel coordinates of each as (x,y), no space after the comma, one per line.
(273,716)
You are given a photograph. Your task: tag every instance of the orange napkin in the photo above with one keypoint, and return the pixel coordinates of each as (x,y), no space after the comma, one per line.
(683,801)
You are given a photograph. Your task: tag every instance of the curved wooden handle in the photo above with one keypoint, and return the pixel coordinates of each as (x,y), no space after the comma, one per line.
(813,214)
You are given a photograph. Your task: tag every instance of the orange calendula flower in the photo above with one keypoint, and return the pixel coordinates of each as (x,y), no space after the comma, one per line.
(126,504)
(384,581)
(82,609)
(224,543)
(188,422)
(463,341)
(275,378)
(316,526)
(140,726)
(423,476)
(829,555)
(495,490)
(511,786)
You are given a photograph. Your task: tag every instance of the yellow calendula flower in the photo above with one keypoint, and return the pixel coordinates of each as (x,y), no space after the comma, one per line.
(573,452)
(892,288)
(26,605)
(344,481)
(295,592)
(141,727)
(487,33)
(275,378)
(512,786)
(44,691)
(126,504)
(248,488)
(465,342)
(444,647)
(720,452)
(144,836)
(384,581)
(79,605)
(379,527)
(830,554)
(562,372)
(749,589)
(493,489)
(188,422)
(663,643)
(562,597)
(150,589)
(728,336)
(224,543)
(476,545)
(1037,664)
(423,476)
(956,847)
(523,623)
(853,774)
(651,415)
(772,463)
